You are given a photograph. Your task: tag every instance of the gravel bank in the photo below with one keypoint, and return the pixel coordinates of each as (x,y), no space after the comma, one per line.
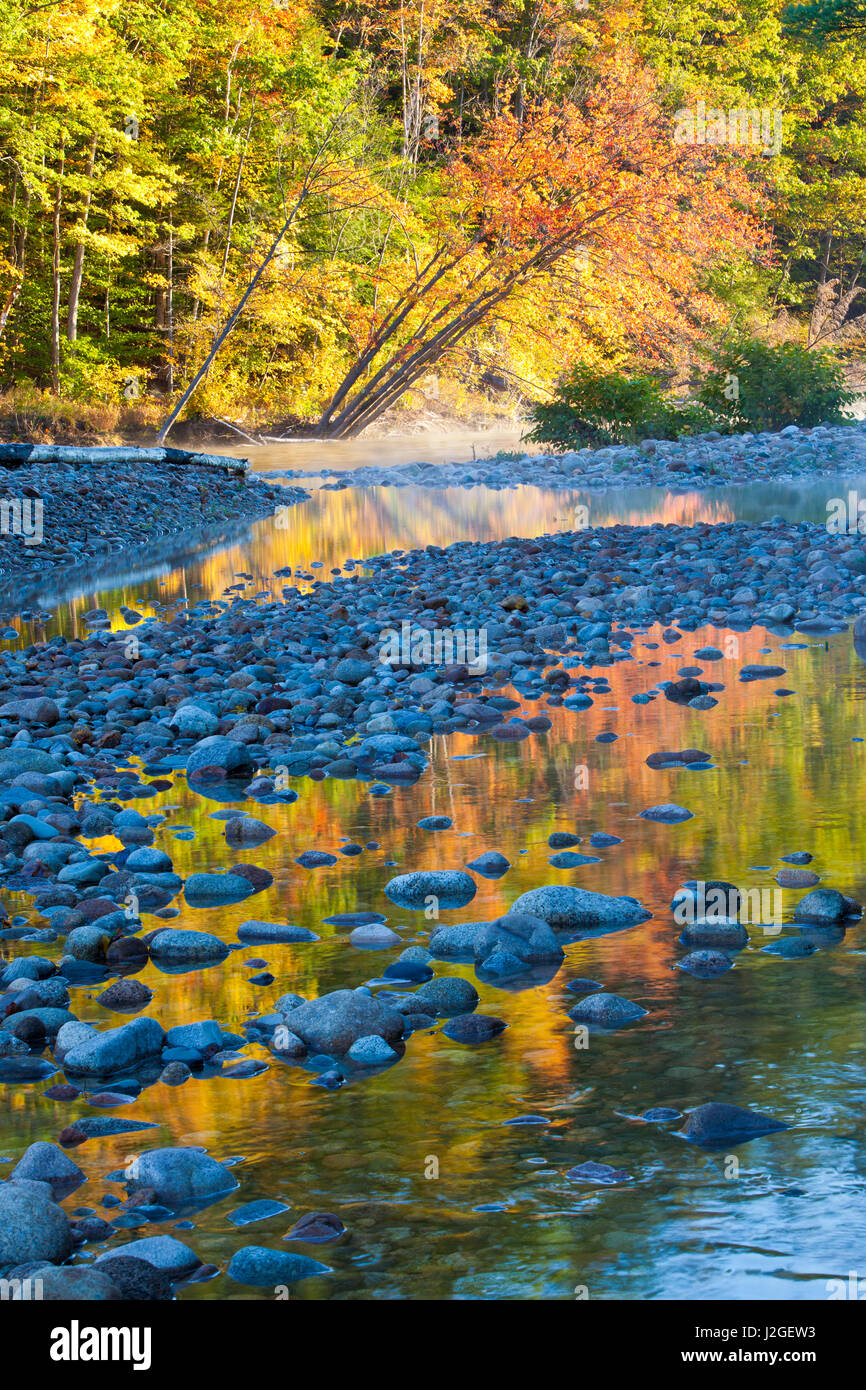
(388,658)
(62,506)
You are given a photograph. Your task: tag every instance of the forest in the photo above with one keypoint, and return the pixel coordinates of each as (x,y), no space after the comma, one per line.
(308,213)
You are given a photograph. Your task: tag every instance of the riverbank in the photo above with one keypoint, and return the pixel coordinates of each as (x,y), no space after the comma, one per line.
(62,507)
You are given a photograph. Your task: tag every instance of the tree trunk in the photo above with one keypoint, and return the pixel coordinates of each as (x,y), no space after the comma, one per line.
(170,305)
(55,278)
(78,262)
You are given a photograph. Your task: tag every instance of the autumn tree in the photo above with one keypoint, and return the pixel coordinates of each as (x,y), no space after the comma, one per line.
(602,181)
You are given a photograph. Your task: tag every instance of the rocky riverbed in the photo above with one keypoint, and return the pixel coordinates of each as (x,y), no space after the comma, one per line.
(704,461)
(356,674)
(248,705)
(63,507)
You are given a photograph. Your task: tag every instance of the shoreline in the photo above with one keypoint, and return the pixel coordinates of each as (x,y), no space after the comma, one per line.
(71,507)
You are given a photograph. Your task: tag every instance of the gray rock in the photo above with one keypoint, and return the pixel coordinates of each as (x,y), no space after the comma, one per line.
(246,830)
(32,1225)
(72,1035)
(473,1028)
(456,942)
(263,1268)
(173,946)
(216,890)
(490,864)
(196,1035)
(447,996)
(37,711)
(75,1283)
(216,751)
(824,905)
(117,1050)
(528,938)
(333,1022)
(451,887)
(180,1175)
(193,721)
(352,671)
(667,814)
(717,1124)
(89,943)
(375,936)
(48,1163)
(149,861)
(165,1253)
(606,1011)
(704,965)
(371,1051)
(790,948)
(566,908)
(720,933)
(254,931)
(797,878)
(138,1280)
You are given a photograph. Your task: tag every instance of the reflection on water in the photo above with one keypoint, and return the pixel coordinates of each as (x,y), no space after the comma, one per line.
(501,1220)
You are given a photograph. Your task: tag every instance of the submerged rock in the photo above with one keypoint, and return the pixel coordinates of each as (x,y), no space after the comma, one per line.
(606,1011)
(719,933)
(333,1022)
(317,1228)
(473,1028)
(263,1268)
(705,964)
(48,1163)
(717,1123)
(451,887)
(180,1175)
(601,1173)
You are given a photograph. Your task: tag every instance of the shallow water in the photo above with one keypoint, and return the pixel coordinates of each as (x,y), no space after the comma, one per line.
(501,1220)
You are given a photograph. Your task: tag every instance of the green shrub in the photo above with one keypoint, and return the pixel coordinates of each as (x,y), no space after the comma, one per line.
(755,386)
(594,408)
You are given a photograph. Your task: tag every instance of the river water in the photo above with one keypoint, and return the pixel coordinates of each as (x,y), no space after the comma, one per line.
(442,1197)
